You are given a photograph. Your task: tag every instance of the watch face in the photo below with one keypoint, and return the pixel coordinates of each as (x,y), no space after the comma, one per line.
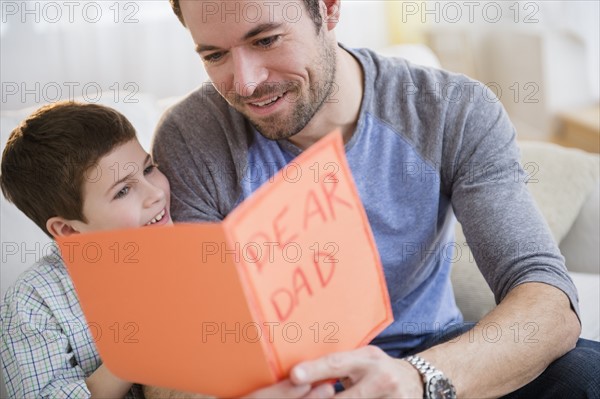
(440,387)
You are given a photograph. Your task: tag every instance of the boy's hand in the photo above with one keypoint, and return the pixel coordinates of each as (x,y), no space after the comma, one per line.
(286,389)
(104,384)
(283,389)
(167,393)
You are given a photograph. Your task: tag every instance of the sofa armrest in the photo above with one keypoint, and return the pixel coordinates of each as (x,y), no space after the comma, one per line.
(472,293)
(580,247)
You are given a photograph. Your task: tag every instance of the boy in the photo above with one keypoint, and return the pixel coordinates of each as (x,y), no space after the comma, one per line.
(74,168)
(71,168)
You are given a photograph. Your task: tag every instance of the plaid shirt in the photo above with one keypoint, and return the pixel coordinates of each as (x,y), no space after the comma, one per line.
(46,348)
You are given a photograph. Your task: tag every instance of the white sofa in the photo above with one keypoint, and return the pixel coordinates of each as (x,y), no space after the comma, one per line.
(567,192)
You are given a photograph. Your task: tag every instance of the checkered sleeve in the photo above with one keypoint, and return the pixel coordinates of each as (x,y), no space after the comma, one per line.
(37,359)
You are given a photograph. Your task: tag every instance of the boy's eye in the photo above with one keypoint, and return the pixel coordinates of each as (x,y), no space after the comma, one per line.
(122,192)
(149,169)
(267,41)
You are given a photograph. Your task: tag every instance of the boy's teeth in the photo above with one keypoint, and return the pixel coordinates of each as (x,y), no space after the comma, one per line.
(157,217)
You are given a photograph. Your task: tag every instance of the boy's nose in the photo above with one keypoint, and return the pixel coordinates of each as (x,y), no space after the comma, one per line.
(153,194)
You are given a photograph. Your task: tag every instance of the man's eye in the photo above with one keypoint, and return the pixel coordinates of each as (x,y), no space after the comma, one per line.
(267,41)
(122,192)
(213,57)
(149,169)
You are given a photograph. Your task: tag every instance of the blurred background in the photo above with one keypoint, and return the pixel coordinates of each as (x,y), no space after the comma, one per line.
(541,58)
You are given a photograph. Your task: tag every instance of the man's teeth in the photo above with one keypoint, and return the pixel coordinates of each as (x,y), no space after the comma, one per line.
(157,218)
(267,102)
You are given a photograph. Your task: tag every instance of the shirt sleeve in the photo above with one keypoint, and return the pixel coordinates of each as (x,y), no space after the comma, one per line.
(37,359)
(192,186)
(201,145)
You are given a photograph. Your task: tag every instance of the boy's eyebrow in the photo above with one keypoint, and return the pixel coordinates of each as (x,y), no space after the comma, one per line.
(250,34)
(146,160)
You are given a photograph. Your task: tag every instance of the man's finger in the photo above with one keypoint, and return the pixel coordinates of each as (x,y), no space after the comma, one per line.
(334,365)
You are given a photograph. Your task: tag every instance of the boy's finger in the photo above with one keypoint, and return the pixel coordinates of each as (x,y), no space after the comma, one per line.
(283,389)
(322,391)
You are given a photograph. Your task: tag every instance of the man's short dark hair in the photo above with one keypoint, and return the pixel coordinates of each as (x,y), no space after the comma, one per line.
(311,5)
(48,157)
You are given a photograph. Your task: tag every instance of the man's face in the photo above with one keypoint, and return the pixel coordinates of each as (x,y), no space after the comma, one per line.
(266,59)
(124,189)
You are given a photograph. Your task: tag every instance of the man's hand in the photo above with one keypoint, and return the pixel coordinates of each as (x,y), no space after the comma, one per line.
(367,372)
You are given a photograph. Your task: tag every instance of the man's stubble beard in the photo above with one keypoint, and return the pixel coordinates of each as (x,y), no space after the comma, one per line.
(306,105)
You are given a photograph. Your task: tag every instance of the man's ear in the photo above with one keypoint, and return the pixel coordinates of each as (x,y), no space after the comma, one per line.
(332,12)
(60,227)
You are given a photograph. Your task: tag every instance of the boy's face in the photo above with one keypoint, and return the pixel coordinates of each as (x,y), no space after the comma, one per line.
(125,189)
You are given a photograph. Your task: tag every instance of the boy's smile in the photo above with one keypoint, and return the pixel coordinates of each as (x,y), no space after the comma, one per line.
(124,189)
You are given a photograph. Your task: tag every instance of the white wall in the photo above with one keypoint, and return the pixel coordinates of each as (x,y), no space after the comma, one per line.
(542,55)
(145,50)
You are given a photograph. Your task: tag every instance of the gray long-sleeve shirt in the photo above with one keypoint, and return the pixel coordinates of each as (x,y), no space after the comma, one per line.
(428,144)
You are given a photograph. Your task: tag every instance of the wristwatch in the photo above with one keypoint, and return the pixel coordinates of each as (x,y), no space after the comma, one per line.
(435,384)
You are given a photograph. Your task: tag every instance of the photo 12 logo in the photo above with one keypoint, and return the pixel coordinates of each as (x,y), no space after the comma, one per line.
(252,11)
(53,12)
(469,11)
(253,332)
(50,92)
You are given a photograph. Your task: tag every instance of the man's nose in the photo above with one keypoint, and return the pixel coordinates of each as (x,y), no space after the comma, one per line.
(249,71)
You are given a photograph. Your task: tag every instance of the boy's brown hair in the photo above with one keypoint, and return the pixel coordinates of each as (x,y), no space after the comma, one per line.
(49,156)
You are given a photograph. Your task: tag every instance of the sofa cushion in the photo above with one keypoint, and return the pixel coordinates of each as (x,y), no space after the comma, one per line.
(560,180)
(472,293)
(564,183)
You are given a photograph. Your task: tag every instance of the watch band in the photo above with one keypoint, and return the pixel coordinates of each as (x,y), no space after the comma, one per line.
(422,365)
(435,384)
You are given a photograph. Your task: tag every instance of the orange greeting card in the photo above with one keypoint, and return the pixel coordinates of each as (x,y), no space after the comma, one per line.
(223,309)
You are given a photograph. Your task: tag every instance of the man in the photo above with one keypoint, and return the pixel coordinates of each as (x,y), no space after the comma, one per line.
(417,141)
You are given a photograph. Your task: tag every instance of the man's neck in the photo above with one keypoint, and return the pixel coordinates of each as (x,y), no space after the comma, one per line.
(341,110)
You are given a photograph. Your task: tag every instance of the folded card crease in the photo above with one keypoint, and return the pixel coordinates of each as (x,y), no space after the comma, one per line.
(292,274)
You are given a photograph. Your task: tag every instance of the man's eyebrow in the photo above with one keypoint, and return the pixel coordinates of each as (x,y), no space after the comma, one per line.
(205,47)
(261,28)
(128,176)
(254,32)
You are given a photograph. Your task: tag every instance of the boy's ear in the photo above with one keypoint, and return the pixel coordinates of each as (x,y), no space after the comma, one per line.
(60,227)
